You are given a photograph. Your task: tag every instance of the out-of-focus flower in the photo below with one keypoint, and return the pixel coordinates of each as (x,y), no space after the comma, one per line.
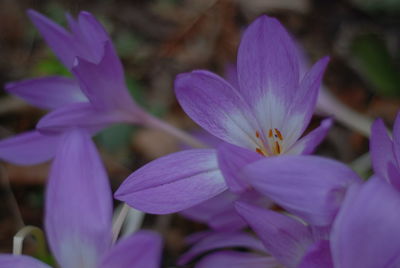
(264,116)
(364,233)
(79,215)
(96,98)
(385,152)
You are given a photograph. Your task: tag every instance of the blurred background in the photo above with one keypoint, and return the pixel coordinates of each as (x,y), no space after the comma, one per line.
(157,39)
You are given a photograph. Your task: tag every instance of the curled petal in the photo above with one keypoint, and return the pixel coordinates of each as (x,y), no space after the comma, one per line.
(78,203)
(310,187)
(174,182)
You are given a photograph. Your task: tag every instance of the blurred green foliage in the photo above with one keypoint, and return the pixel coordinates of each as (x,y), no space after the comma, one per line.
(376,64)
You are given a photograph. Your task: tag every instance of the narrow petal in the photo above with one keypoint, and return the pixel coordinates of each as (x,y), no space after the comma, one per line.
(319,255)
(217,107)
(368,226)
(284,238)
(310,187)
(28,148)
(267,62)
(308,143)
(174,182)
(231,159)
(381,147)
(305,99)
(104,82)
(49,92)
(78,203)
(81,115)
(235,259)
(90,36)
(142,249)
(221,240)
(60,40)
(20,261)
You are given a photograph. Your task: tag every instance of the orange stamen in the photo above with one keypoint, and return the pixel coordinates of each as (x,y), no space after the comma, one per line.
(278,133)
(277,148)
(260,152)
(257,134)
(270,133)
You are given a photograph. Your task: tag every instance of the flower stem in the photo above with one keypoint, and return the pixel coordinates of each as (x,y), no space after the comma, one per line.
(154,122)
(37,233)
(117,224)
(328,104)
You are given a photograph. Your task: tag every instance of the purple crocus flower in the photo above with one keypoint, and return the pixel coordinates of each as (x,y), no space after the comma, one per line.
(385,152)
(79,214)
(96,98)
(264,116)
(223,244)
(365,232)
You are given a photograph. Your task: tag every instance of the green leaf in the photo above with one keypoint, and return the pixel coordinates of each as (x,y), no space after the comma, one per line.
(376,65)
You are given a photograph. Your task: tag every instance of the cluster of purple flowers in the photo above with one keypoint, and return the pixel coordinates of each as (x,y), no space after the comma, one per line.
(328,217)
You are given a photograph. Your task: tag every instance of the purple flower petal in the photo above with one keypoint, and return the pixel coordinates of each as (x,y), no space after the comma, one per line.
(304,101)
(308,143)
(86,40)
(174,182)
(319,255)
(205,210)
(227,220)
(89,35)
(396,140)
(381,147)
(78,203)
(267,62)
(20,261)
(284,238)
(310,187)
(142,249)
(81,115)
(104,82)
(366,230)
(49,92)
(60,40)
(235,259)
(231,159)
(28,148)
(217,107)
(220,240)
